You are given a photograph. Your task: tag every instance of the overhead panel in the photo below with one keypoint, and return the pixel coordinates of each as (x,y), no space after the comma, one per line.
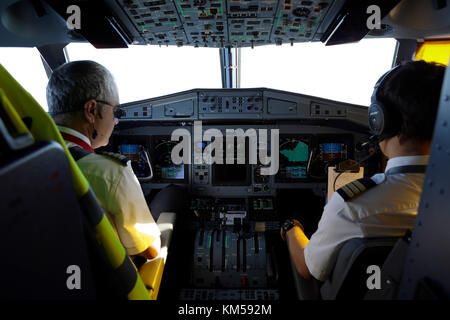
(204,22)
(225,23)
(250,22)
(297,21)
(157,21)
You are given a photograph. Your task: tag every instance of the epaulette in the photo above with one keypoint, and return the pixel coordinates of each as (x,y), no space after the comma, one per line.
(116,157)
(355,188)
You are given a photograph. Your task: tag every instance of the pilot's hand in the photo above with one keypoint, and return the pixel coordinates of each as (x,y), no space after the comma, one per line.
(150,253)
(296,223)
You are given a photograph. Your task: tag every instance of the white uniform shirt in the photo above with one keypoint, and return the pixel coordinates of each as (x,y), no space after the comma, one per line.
(119,193)
(386,210)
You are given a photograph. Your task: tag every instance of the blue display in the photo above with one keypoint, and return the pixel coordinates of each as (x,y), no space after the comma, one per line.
(331,147)
(297,172)
(333,151)
(130,150)
(173,173)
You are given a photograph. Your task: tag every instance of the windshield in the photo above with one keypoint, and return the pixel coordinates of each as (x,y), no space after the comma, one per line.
(143,72)
(345,73)
(25,65)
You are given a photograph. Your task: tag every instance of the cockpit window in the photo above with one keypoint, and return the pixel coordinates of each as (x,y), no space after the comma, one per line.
(143,72)
(25,65)
(344,73)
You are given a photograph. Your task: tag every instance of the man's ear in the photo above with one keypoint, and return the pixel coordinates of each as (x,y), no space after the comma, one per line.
(90,110)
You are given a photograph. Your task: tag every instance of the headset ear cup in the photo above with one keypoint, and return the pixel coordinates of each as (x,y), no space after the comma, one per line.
(382,121)
(376,119)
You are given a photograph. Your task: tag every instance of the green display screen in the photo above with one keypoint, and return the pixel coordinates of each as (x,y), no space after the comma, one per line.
(294,150)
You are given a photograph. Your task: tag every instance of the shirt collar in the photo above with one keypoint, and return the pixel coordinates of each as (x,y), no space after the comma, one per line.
(75,133)
(406,161)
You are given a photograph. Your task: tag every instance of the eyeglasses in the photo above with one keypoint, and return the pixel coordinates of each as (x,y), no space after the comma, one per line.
(118,111)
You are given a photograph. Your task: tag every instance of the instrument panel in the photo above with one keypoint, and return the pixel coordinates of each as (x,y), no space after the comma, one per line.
(245,156)
(302,158)
(239,143)
(223,136)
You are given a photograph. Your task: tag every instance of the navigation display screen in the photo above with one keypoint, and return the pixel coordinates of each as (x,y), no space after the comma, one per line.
(294,156)
(165,169)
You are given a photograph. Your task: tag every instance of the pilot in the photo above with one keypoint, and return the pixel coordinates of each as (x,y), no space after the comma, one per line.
(385,205)
(82,98)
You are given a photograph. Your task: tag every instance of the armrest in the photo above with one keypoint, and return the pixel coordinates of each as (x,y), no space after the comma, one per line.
(166,222)
(151,273)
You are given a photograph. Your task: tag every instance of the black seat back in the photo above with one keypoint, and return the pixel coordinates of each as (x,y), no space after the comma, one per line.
(47,243)
(41,226)
(349,277)
(61,228)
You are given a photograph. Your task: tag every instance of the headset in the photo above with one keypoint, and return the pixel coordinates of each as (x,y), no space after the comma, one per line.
(382,120)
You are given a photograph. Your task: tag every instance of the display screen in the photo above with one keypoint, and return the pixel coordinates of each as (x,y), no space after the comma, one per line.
(298,172)
(294,150)
(294,156)
(233,174)
(137,154)
(165,169)
(131,151)
(173,173)
(230,175)
(333,151)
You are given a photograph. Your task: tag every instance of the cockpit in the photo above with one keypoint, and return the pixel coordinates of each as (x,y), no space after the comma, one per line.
(249,152)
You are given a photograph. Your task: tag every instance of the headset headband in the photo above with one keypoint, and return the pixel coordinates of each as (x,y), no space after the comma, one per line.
(383,78)
(382,120)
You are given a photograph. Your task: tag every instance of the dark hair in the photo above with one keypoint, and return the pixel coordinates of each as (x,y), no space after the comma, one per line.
(74,83)
(413,91)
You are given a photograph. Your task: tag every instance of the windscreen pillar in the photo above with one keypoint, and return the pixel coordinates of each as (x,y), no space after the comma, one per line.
(52,56)
(230,62)
(404,51)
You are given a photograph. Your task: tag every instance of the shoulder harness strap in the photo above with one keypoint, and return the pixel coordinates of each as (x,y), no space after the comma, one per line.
(116,157)
(354,188)
(78,152)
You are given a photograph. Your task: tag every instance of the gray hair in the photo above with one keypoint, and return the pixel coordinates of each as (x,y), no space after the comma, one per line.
(74,83)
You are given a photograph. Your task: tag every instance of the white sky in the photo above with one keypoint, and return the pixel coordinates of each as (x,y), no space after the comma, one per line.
(25,65)
(344,73)
(143,72)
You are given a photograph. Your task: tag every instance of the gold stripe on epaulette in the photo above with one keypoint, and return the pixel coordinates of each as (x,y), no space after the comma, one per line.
(348,191)
(354,188)
(360,185)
